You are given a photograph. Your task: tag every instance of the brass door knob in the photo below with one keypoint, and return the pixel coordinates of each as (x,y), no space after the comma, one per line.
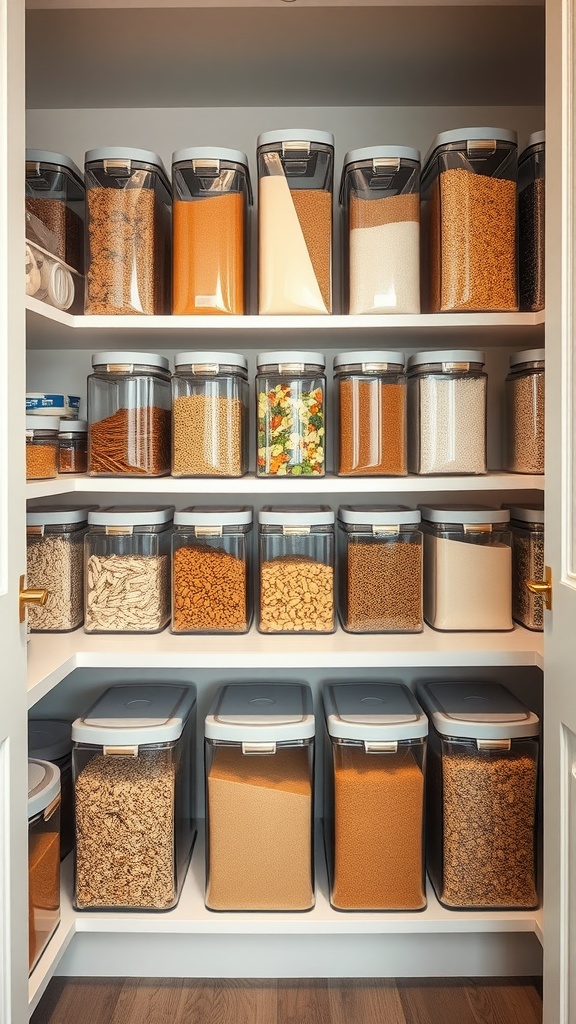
(542,588)
(35,595)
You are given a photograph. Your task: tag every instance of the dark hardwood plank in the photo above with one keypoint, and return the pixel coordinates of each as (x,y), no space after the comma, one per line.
(146,1001)
(243,1002)
(364,1001)
(437,1001)
(304,1001)
(69,1000)
(505,1001)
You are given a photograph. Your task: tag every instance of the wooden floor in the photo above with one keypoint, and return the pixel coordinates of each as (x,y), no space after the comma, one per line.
(150,1001)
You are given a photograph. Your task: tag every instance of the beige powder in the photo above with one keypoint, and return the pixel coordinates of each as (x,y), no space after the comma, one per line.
(467,585)
(288,282)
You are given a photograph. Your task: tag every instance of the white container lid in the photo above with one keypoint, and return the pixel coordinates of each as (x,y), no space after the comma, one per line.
(214,515)
(530,355)
(373,711)
(526,513)
(369,356)
(295,135)
(479,711)
(133,358)
(136,715)
(471,135)
(143,156)
(233,156)
(464,514)
(45,156)
(378,515)
(56,515)
(454,355)
(43,785)
(43,423)
(74,426)
(210,359)
(49,739)
(276,358)
(42,403)
(132,515)
(261,712)
(296,515)
(379,153)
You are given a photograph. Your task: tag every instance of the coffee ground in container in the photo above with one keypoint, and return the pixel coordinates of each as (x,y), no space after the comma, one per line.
(531,256)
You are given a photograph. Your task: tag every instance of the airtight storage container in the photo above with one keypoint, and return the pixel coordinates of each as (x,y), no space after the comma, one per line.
(55,562)
(295,175)
(371,390)
(527,529)
(211,197)
(531,223)
(211,570)
(43,856)
(374,813)
(296,569)
(55,197)
(469,192)
(42,447)
(210,414)
(468,567)
(380,201)
(129,214)
(133,762)
(380,569)
(73,447)
(260,798)
(524,390)
(51,740)
(481,796)
(291,404)
(129,403)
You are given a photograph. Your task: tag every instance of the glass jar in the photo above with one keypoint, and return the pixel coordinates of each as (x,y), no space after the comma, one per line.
(129,403)
(129,215)
(210,414)
(42,447)
(55,200)
(211,193)
(259,748)
(211,570)
(531,223)
(524,390)
(380,201)
(374,812)
(469,220)
(55,562)
(127,571)
(43,857)
(527,528)
(467,568)
(51,740)
(481,797)
(134,766)
(371,389)
(295,180)
(296,569)
(447,413)
(73,447)
(380,569)
(291,402)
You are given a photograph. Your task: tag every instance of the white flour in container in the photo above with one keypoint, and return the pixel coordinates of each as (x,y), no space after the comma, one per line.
(467,586)
(385,269)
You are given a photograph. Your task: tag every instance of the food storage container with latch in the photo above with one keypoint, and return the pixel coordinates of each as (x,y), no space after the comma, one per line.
(73,447)
(42,447)
(291,412)
(531,223)
(524,390)
(55,562)
(527,529)
(55,199)
(43,856)
(51,740)
(210,414)
(371,395)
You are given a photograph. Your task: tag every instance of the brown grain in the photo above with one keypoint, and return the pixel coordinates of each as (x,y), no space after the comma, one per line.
(296,595)
(314,210)
(130,442)
(525,406)
(527,564)
(41,461)
(207,435)
(384,586)
(531,255)
(374,213)
(209,591)
(66,227)
(121,274)
(372,428)
(43,888)
(208,255)
(73,457)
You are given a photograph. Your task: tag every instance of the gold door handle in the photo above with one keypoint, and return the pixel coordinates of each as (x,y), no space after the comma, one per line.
(35,595)
(542,588)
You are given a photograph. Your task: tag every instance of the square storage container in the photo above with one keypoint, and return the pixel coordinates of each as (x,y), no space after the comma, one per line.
(482,783)
(55,196)
(371,389)
(73,447)
(291,410)
(524,391)
(210,414)
(133,762)
(531,223)
(42,447)
(55,562)
(51,740)
(260,798)
(527,529)
(374,814)
(43,856)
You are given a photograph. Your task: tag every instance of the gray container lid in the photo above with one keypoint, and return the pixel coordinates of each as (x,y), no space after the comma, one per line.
(454,355)
(58,515)
(464,514)
(49,739)
(295,135)
(464,135)
(479,711)
(379,515)
(369,356)
(43,785)
(74,426)
(379,153)
(210,359)
(296,515)
(261,712)
(136,715)
(45,156)
(536,139)
(290,356)
(373,711)
(529,355)
(134,358)
(42,422)
(143,156)
(214,515)
(233,156)
(132,515)
(526,513)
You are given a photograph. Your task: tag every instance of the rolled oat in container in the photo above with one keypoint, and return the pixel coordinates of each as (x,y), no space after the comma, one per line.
(55,562)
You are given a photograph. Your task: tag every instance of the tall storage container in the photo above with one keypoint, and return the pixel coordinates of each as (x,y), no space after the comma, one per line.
(291,411)
(531,223)
(51,740)
(55,562)
(371,390)
(527,528)
(210,414)
(374,815)
(55,195)
(260,798)
(524,390)
(43,856)
(295,177)
(133,761)
(481,796)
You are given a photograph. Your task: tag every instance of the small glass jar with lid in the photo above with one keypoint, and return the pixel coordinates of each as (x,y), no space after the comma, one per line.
(42,447)
(55,562)
(43,856)
(380,569)
(55,197)
(447,413)
(524,390)
(73,446)
(380,201)
(527,528)
(129,414)
(127,569)
(210,414)
(291,403)
(531,221)
(51,740)
(467,568)
(371,389)
(296,569)
(211,570)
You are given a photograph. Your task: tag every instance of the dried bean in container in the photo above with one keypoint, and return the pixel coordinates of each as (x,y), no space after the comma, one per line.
(527,564)
(209,591)
(531,217)
(296,595)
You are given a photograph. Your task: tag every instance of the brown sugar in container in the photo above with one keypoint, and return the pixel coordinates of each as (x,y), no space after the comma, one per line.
(43,856)
(371,389)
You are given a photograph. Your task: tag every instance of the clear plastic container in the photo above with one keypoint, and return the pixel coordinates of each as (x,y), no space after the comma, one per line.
(481,796)
(210,414)
(47,278)
(42,447)
(73,447)
(127,571)
(527,528)
(295,180)
(43,857)
(55,195)
(379,569)
(129,415)
(467,568)
(524,391)
(134,766)
(469,196)
(129,214)
(259,747)
(291,404)
(531,223)
(447,393)
(55,562)
(212,570)
(374,809)
(211,194)
(296,569)
(51,740)
(380,200)
(371,389)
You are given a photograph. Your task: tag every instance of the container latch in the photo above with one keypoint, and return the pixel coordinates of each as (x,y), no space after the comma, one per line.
(34,531)
(477,527)
(207,531)
(493,744)
(290,531)
(290,367)
(52,807)
(381,746)
(482,147)
(449,367)
(258,748)
(392,529)
(131,751)
(118,531)
(120,367)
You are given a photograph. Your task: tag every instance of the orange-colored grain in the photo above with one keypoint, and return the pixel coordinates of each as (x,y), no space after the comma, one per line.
(208,255)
